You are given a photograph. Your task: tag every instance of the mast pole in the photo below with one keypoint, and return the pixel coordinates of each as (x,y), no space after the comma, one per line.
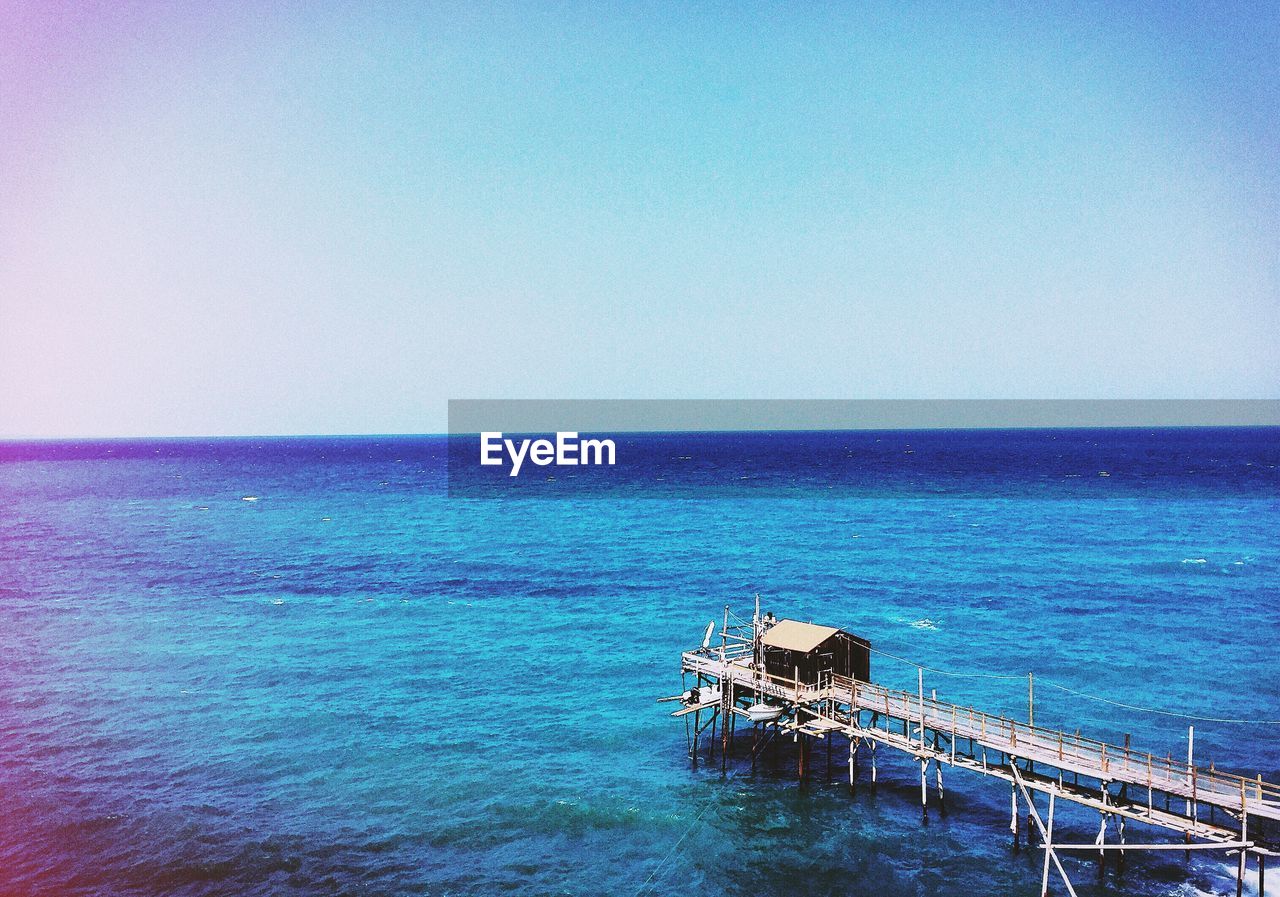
(757,661)
(724,638)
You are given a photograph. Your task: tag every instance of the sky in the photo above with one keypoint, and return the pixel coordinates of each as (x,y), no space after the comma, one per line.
(234,219)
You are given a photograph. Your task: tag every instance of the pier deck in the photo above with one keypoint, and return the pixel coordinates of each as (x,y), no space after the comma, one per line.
(1207,808)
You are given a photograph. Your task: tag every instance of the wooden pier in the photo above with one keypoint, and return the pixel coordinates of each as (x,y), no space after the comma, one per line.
(1207,809)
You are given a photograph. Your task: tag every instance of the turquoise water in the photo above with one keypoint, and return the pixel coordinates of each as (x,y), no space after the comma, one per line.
(356,684)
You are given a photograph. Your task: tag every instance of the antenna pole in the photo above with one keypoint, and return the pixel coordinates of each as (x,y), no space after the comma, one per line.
(920,674)
(1031,699)
(757,655)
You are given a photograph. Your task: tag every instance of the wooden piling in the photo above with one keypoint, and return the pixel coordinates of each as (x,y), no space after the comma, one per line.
(1013,814)
(942,794)
(1102,837)
(924,791)
(1244,839)
(697,714)
(1120,830)
(1048,850)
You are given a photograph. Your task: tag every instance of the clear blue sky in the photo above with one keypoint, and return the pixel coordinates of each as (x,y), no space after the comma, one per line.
(316,219)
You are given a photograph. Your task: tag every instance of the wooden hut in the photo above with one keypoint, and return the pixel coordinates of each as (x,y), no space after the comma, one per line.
(790,645)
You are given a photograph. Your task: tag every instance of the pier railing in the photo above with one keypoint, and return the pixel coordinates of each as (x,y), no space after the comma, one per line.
(740,669)
(1066,751)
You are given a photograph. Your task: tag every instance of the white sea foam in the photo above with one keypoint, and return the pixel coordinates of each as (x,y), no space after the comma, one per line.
(1227,873)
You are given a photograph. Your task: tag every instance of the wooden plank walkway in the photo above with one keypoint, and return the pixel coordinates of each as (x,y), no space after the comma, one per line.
(1065,751)
(1119,782)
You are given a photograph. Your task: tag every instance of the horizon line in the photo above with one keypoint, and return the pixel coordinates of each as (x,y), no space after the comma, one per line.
(923,428)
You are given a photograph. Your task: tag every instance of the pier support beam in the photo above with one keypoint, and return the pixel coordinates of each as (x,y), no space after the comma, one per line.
(1120,829)
(1031,809)
(924,791)
(1244,838)
(1013,814)
(1048,850)
(1044,835)
(733,726)
(942,794)
(1100,840)
(726,704)
(697,729)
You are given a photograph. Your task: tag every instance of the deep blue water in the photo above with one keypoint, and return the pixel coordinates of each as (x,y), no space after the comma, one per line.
(358,684)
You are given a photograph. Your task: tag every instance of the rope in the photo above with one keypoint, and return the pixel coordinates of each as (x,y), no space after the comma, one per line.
(946,672)
(1081,694)
(1192,716)
(711,799)
(675,847)
(1086,695)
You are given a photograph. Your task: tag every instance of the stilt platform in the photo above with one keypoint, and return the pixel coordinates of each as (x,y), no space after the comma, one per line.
(1207,809)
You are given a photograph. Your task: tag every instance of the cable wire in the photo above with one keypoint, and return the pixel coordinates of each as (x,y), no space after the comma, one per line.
(1192,716)
(1086,695)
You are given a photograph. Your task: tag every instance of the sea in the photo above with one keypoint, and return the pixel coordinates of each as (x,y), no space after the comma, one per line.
(332,666)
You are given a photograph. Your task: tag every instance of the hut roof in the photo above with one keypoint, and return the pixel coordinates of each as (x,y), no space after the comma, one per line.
(792,635)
